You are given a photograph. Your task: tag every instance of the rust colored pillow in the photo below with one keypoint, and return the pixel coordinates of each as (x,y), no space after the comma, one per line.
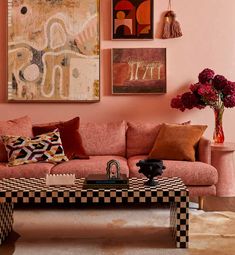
(71,139)
(177,142)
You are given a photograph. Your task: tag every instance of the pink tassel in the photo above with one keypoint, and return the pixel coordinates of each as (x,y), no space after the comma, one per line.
(171,27)
(175,27)
(167,27)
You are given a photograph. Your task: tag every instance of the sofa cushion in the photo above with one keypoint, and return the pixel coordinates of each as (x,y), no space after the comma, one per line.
(21,127)
(95,165)
(177,142)
(104,139)
(192,173)
(141,137)
(70,136)
(24,150)
(33,170)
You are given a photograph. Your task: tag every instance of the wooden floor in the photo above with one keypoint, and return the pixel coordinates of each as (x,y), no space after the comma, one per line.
(218,203)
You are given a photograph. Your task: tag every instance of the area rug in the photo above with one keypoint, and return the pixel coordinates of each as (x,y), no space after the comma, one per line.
(136,231)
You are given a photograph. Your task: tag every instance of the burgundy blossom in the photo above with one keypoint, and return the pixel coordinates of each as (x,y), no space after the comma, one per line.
(219,82)
(194,87)
(229,101)
(177,103)
(214,91)
(206,75)
(229,89)
(208,93)
(189,100)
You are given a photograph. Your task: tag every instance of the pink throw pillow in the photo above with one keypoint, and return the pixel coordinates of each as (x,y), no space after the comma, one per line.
(17,127)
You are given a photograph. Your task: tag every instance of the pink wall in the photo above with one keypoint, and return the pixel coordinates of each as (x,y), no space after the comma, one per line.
(208,41)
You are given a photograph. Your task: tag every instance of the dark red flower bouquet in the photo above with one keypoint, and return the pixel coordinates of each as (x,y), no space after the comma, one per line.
(211,90)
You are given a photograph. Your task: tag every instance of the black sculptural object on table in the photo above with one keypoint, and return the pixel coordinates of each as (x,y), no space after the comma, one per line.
(151,168)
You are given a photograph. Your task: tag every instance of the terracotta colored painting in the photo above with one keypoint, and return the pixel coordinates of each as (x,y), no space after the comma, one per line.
(139,71)
(53,50)
(132,19)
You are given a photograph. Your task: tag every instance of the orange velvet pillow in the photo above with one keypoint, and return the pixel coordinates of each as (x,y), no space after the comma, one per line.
(71,139)
(177,142)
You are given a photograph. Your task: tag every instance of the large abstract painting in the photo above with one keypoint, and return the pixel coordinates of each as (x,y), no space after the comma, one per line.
(132,19)
(53,50)
(139,71)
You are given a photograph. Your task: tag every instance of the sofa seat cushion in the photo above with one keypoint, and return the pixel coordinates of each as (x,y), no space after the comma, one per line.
(192,173)
(32,170)
(94,165)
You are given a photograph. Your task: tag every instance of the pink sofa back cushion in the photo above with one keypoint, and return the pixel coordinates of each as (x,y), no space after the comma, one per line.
(21,127)
(104,139)
(141,137)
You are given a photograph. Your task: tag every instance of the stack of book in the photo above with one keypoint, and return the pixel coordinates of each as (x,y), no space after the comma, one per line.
(101,181)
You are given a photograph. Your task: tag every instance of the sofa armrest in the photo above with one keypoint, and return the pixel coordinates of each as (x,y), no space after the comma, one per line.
(204,150)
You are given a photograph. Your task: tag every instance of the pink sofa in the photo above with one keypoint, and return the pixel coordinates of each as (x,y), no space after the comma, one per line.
(127,143)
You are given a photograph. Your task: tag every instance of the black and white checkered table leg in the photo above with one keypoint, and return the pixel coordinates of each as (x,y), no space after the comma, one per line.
(173,219)
(179,221)
(6,220)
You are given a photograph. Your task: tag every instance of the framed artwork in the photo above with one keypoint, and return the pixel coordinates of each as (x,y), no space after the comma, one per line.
(139,71)
(53,51)
(132,19)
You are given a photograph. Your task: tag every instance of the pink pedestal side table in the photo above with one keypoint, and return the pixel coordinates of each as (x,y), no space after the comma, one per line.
(222,159)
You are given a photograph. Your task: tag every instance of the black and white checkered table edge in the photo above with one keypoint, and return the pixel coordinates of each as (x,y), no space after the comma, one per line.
(35,190)
(16,184)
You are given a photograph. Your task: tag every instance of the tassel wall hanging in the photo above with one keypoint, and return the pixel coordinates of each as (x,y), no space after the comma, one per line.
(171,28)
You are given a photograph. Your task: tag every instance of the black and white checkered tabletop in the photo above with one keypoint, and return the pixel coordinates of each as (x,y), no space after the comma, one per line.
(33,184)
(36,191)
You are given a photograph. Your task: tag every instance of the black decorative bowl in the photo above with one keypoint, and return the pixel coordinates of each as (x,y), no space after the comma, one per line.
(151,168)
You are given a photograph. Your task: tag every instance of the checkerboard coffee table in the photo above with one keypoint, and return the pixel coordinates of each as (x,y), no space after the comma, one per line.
(168,190)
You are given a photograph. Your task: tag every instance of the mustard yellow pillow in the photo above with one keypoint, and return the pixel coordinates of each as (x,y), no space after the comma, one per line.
(177,142)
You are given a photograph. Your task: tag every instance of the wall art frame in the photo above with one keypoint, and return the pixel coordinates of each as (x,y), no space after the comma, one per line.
(132,19)
(138,71)
(53,51)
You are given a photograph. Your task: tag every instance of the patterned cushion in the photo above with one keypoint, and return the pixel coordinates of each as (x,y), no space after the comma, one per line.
(46,147)
(70,136)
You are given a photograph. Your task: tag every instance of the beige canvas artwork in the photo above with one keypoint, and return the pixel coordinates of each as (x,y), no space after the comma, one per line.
(53,50)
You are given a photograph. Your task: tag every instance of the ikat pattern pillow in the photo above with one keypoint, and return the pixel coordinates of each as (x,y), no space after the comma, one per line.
(42,148)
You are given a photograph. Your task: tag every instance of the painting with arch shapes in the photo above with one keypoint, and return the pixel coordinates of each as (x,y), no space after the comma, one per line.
(132,19)
(139,71)
(53,50)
